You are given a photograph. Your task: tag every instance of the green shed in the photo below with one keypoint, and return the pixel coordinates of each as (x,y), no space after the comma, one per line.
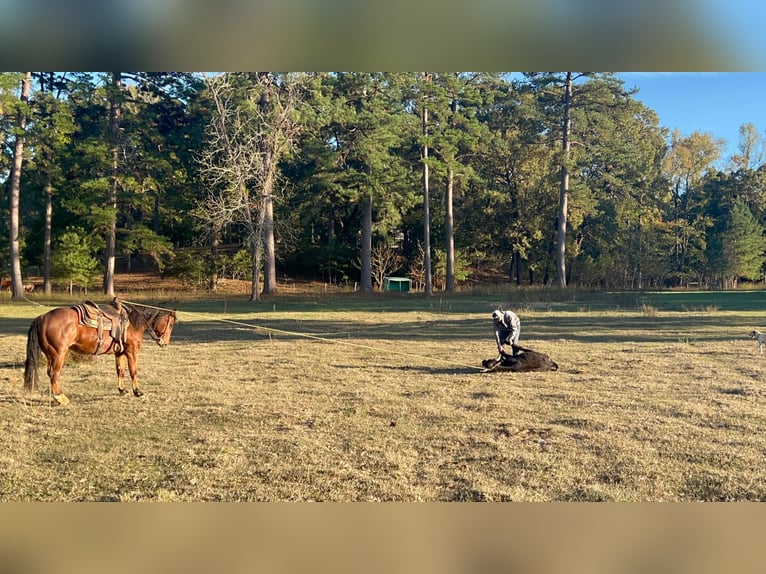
(397,284)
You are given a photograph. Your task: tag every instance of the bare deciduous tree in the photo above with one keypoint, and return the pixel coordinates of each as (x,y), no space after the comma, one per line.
(385,259)
(254,125)
(417,270)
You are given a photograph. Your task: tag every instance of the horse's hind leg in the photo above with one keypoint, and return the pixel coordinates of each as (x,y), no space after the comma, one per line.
(55,364)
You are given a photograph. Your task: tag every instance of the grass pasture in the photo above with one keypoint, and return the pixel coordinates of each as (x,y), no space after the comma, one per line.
(659,397)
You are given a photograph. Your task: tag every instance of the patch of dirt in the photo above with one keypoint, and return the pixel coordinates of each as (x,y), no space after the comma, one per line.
(152,281)
(145,280)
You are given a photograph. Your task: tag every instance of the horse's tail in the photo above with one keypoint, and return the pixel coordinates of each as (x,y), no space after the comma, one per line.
(32,364)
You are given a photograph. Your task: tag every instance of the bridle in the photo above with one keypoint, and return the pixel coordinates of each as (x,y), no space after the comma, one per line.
(158,338)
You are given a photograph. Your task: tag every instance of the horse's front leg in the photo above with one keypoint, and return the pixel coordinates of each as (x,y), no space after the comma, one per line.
(120,363)
(133,370)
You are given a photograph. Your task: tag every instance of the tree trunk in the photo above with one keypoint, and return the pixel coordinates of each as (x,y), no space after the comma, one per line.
(156,214)
(214,242)
(255,255)
(515,268)
(426,212)
(115,115)
(268,145)
(256,238)
(365,281)
(449,229)
(267,204)
(17,285)
(640,262)
(331,277)
(561,232)
(47,286)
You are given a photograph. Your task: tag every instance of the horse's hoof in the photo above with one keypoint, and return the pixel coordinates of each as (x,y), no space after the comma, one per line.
(61,400)
(123,392)
(138,392)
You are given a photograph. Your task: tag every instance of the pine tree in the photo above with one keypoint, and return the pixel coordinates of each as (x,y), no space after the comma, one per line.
(51,131)
(17,286)
(742,246)
(73,259)
(367,135)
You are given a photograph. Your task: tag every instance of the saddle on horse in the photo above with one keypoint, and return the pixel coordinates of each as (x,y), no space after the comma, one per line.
(113,319)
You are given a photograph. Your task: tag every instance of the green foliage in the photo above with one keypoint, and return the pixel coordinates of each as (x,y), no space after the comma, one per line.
(144,240)
(462,265)
(742,245)
(190,268)
(642,211)
(73,260)
(240,265)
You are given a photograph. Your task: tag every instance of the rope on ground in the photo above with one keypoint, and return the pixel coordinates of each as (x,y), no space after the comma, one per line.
(318,338)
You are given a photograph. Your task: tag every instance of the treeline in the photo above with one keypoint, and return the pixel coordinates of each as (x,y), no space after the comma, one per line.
(544,178)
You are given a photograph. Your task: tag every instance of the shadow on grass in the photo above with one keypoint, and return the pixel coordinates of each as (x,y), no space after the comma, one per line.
(14,326)
(9,398)
(445,369)
(546,328)
(566,322)
(42,398)
(12,365)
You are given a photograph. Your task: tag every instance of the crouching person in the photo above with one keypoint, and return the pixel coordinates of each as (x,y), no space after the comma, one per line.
(507,327)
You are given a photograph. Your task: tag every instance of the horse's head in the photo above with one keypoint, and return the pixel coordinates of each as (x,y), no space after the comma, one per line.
(163,328)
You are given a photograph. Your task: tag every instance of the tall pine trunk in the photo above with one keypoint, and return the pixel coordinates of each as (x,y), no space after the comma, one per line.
(561,222)
(269,145)
(426,211)
(17,285)
(115,115)
(255,279)
(47,285)
(331,241)
(269,245)
(365,281)
(255,238)
(449,229)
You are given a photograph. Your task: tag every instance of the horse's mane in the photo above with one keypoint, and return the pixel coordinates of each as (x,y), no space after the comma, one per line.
(142,316)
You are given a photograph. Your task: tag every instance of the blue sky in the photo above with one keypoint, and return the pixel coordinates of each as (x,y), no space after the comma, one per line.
(715,102)
(739,24)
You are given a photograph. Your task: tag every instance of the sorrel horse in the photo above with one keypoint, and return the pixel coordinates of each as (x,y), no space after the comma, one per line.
(54,333)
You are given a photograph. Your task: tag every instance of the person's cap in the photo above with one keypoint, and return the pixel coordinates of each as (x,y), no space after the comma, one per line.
(497,314)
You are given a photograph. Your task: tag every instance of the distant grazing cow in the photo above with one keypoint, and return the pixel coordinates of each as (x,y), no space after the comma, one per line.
(29,287)
(521,360)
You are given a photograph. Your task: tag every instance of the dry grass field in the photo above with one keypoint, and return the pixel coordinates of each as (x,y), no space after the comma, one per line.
(344,397)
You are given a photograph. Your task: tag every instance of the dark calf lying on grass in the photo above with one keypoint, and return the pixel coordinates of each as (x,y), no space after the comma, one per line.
(521,360)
